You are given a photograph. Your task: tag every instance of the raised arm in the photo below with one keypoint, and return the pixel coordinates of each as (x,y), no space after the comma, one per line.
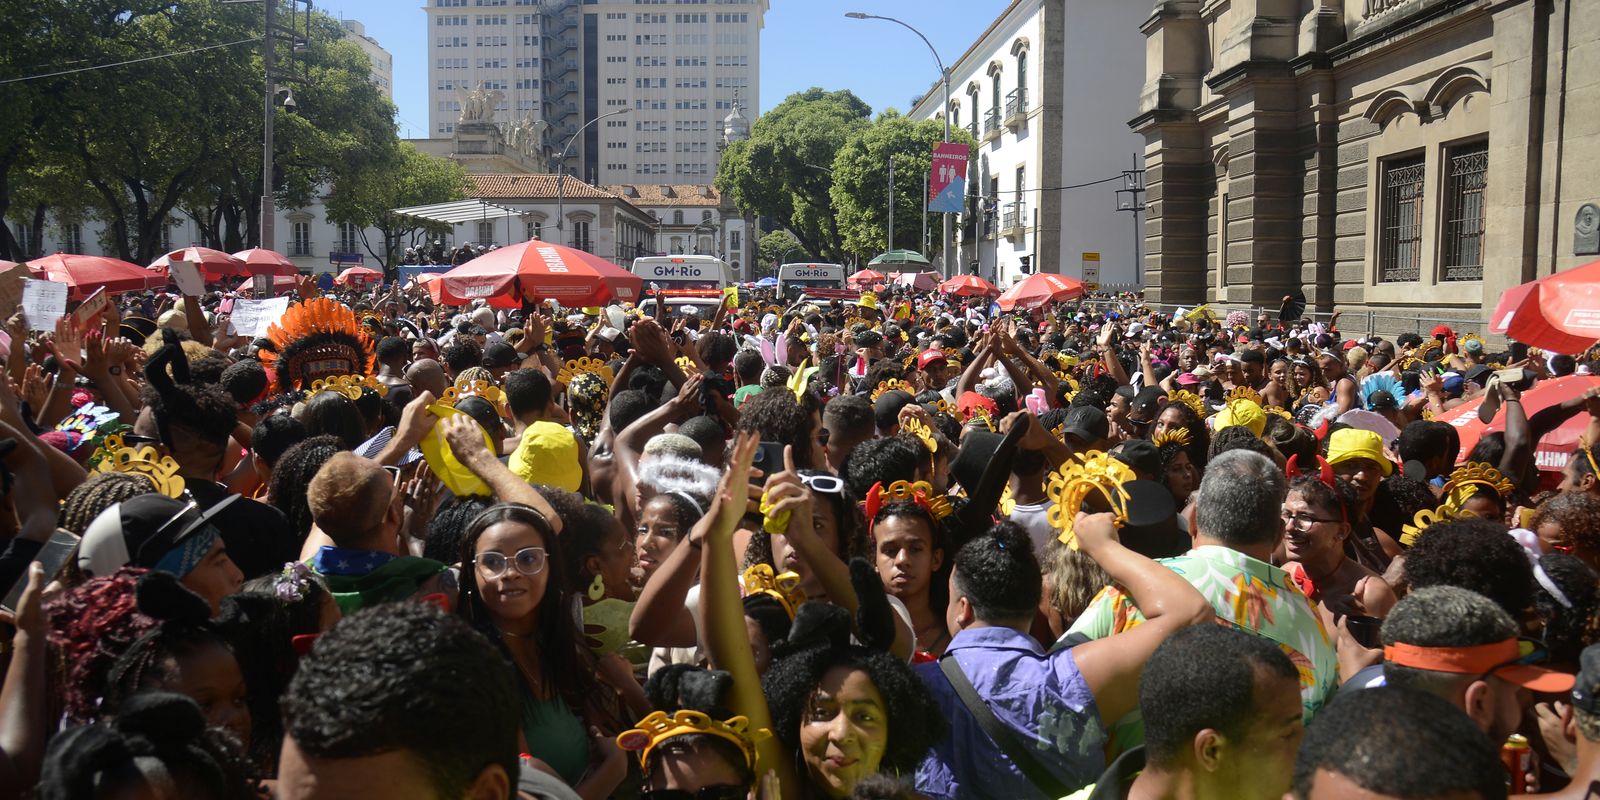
(24,714)
(1111,666)
(722,613)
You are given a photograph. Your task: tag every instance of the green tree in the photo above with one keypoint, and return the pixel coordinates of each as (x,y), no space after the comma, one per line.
(181,132)
(772,250)
(782,171)
(861,183)
(365,199)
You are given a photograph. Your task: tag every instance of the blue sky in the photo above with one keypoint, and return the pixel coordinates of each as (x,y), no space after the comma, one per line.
(805,43)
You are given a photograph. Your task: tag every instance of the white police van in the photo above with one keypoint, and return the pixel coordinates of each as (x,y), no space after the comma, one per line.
(795,279)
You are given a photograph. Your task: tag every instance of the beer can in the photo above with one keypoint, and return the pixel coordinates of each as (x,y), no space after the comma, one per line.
(1517,757)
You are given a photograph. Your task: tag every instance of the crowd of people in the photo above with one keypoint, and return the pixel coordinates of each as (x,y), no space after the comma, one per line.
(906,546)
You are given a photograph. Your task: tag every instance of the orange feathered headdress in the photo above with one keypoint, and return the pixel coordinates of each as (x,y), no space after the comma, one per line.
(317,339)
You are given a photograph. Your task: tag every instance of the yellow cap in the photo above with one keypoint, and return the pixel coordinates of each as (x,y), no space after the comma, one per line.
(1242,412)
(1349,444)
(548,454)
(869,300)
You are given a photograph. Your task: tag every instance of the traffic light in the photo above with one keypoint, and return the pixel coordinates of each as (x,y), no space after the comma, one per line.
(1027,265)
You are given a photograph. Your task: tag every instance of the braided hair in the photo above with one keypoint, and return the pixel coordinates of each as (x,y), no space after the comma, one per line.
(100,492)
(90,626)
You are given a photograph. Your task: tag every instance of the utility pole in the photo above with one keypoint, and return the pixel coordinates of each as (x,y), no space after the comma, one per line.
(891,204)
(1129,199)
(271,33)
(925,177)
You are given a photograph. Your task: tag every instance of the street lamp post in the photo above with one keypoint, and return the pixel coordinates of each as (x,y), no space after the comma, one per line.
(944,80)
(561,173)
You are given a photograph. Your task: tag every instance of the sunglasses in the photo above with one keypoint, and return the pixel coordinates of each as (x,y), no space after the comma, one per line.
(823,483)
(717,792)
(529,561)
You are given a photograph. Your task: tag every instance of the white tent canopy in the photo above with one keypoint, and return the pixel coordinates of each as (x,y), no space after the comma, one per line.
(458,211)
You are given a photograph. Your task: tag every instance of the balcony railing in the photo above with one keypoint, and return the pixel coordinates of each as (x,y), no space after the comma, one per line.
(586,245)
(1017,109)
(301,249)
(991,124)
(1012,221)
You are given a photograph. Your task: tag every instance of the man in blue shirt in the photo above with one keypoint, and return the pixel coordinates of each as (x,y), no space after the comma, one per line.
(1052,706)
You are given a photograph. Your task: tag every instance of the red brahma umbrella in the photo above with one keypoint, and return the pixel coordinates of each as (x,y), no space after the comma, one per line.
(260,261)
(539,270)
(1550,453)
(1559,312)
(88,273)
(214,265)
(969,286)
(1041,289)
(359,276)
(864,279)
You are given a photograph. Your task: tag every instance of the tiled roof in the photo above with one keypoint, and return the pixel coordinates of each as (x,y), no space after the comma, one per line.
(531,186)
(676,194)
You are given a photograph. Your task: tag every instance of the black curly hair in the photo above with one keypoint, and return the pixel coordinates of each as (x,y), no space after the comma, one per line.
(819,643)
(293,473)
(999,574)
(1474,554)
(778,417)
(1570,621)
(886,460)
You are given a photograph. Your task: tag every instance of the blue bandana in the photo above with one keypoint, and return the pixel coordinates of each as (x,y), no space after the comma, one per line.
(182,560)
(331,560)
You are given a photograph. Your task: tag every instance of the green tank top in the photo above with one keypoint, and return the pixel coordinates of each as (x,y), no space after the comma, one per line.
(555,736)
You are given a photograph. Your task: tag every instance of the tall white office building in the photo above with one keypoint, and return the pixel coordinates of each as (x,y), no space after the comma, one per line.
(382,61)
(677,65)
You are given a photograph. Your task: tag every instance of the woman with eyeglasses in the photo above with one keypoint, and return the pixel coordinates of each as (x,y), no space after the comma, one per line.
(512,591)
(1316,529)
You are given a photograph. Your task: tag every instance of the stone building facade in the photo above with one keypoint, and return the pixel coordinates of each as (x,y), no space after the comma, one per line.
(1399,156)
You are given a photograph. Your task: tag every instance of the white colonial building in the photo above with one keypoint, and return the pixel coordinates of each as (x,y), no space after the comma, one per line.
(1047,90)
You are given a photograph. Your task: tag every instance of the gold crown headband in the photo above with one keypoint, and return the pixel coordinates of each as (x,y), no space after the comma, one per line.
(161,470)
(1476,473)
(783,587)
(483,389)
(1427,517)
(916,428)
(658,727)
(350,386)
(580,366)
(1190,399)
(1072,483)
(891,385)
(1245,393)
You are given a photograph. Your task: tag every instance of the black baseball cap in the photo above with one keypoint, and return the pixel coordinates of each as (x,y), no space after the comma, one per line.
(141,530)
(1088,423)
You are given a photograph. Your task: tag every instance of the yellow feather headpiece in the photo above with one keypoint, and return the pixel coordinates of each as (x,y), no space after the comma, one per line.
(1177,436)
(145,460)
(659,727)
(1072,483)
